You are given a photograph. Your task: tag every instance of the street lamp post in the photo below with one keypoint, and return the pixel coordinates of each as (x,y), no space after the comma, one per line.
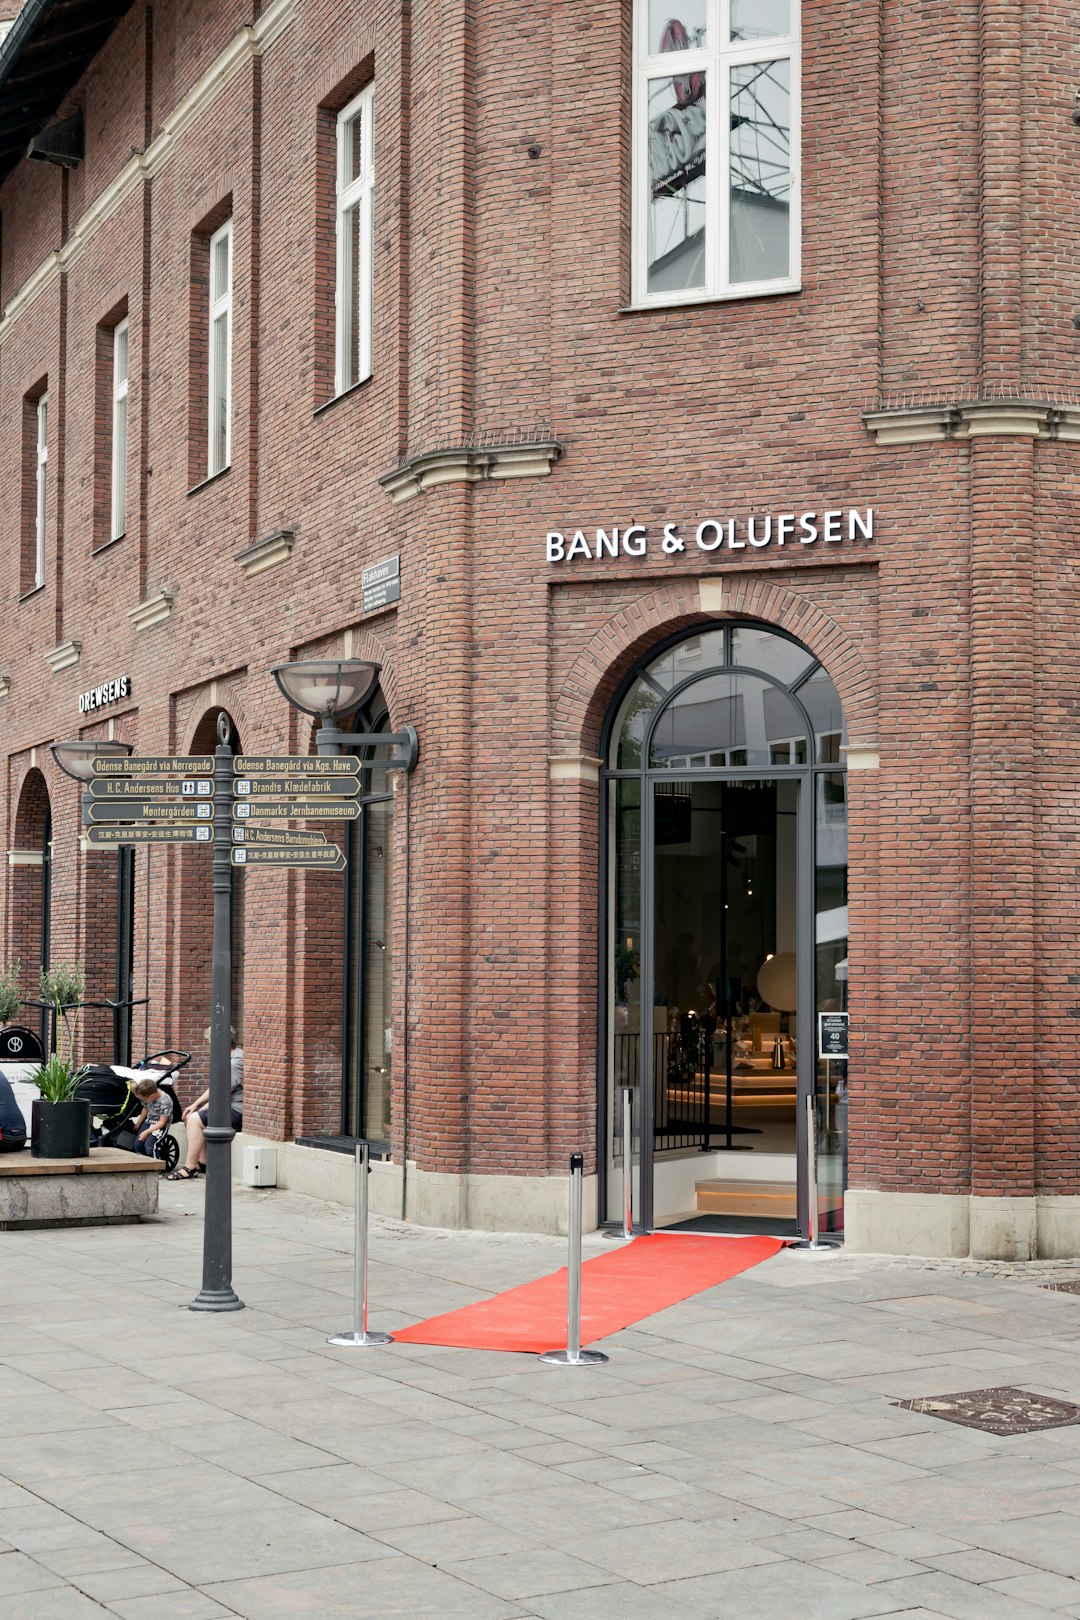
(216,1293)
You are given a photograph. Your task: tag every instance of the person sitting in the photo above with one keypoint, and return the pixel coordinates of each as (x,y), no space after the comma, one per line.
(195,1117)
(155,1119)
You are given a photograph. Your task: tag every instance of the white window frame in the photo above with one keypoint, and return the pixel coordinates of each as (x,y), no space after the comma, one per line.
(41,469)
(220,309)
(354,285)
(716,61)
(120,424)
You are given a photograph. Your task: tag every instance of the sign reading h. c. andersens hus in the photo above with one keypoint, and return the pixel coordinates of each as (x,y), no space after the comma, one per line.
(794,529)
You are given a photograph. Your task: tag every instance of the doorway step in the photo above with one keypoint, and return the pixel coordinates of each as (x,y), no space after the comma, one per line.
(762,1184)
(771,1198)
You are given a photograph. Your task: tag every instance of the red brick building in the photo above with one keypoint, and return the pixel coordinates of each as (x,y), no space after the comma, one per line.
(707,372)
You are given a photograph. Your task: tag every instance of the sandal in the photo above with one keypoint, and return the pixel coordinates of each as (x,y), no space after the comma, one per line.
(182,1174)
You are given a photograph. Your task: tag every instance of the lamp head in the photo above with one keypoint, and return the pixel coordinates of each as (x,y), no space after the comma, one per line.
(327,687)
(77,758)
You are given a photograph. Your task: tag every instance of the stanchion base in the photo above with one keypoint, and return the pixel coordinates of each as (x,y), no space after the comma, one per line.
(361,1338)
(563,1358)
(216,1299)
(616,1234)
(814,1248)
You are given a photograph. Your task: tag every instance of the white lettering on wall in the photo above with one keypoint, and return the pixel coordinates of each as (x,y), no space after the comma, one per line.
(716,535)
(109,692)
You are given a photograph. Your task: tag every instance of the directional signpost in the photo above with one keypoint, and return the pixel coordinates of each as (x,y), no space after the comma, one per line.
(112,836)
(296,809)
(167,799)
(328,858)
(279,838)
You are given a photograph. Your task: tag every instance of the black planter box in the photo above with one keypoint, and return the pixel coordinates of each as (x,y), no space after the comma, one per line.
(63,1130)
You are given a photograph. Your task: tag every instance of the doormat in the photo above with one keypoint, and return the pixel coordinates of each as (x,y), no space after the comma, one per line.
(617,1289)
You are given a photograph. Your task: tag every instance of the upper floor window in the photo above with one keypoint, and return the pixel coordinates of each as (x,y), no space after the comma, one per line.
(716,149)
(219,413)
(41,470)
(118,517)
(354,193)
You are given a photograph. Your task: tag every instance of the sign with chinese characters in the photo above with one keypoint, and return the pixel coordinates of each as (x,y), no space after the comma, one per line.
(108,692)
(797,531)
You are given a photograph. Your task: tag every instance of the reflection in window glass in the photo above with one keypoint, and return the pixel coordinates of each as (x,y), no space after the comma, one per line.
(758,648)
(725,713)
(677,183)
(624,1010)
(821,700)
(759,19)
(687,657)
(634,716)
(686,32)
(760,171)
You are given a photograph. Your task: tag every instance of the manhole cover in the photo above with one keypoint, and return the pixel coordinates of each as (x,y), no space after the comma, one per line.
(997,1411)
(1063,1288)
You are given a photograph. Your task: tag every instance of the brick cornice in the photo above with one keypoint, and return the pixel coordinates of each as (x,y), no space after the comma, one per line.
(1007,416)
(471,464)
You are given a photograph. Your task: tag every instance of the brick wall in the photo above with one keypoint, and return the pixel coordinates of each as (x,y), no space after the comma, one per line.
(939,261)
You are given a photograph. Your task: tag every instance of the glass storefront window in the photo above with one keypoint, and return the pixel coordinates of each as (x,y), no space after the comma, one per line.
(624,985)
(831,976)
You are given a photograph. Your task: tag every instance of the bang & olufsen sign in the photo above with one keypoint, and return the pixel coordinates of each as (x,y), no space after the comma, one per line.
(770,531)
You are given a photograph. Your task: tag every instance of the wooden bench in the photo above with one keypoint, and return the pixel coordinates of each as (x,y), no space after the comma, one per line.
(108,1188)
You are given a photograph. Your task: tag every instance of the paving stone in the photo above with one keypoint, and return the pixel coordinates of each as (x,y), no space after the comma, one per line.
(782,1591)
(400,1586)
(58,1603)
(531,1574)
(1036,1586)
(21,1574)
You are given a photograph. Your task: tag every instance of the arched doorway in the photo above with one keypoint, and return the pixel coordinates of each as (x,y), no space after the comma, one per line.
(724,800)
(30,893)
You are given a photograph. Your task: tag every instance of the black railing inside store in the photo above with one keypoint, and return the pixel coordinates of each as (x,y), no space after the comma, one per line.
(682,1083)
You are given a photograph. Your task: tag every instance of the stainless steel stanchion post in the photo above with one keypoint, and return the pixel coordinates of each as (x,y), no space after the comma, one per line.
(626,1231)
(813,1241)
(360,1334)
(574,1355)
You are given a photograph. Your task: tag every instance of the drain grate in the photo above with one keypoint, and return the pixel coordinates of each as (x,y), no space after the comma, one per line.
(997,1411)
(1064,1288)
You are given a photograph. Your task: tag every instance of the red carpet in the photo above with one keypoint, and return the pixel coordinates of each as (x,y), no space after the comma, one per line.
(619,1288)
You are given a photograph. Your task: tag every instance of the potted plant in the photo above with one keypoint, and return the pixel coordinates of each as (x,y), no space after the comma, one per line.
(64,1128)
(10,991)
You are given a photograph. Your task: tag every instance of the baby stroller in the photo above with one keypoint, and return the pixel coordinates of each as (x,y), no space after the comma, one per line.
(108,1090)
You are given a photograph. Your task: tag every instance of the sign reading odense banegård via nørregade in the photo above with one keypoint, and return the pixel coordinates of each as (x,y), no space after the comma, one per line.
(155,765)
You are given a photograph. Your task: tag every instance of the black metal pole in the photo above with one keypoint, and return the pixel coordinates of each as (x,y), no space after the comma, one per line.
(217,1293)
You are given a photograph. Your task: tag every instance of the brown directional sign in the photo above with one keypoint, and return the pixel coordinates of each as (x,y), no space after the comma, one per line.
(156,765)
(278,838)
(296,810)
(327,859)
(146,787)
(301,765)
(149,810)
(262,787)
(110,837)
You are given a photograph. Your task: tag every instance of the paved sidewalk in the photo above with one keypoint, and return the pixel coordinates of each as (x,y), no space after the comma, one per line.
(740,1457)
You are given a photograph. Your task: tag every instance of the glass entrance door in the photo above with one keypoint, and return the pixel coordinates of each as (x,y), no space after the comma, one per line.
(723,974)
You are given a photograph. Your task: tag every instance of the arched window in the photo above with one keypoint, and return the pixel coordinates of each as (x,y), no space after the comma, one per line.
(726,809)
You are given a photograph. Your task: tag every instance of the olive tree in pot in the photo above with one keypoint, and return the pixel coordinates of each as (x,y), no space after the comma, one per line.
(64,1121)
(10,991)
